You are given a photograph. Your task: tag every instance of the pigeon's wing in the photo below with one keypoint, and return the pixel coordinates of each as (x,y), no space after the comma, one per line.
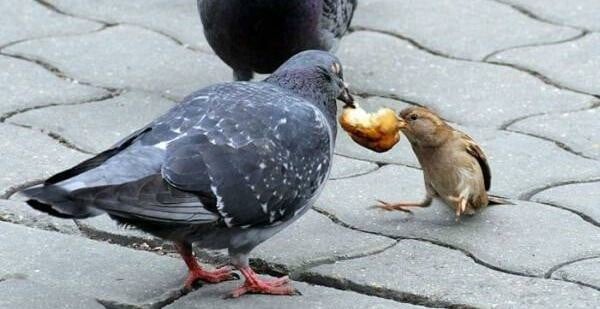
(255,166)
(474,150)
(337,16)
(150,199)
(98,159)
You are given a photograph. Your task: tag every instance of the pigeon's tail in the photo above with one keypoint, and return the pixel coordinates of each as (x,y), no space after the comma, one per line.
(496,200)
(55,201)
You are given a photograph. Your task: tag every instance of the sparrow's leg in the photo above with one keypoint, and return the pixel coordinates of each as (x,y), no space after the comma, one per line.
(255,285)
(460,206)
(403,206)
(197,273)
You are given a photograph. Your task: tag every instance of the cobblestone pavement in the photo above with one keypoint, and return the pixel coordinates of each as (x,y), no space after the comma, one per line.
(521,76)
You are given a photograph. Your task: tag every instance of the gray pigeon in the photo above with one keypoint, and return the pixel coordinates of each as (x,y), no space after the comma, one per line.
(259,35)
(229,167)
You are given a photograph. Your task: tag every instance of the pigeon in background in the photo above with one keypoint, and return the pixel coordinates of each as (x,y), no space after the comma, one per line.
(229,167)
(259,35)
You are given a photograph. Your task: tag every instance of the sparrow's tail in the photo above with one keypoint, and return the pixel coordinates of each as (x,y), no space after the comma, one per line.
(497,200)
(56,201)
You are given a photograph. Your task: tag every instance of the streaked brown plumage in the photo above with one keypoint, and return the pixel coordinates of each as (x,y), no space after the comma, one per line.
(455,169)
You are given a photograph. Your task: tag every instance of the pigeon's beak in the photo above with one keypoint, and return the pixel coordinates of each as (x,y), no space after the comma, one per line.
(346,97)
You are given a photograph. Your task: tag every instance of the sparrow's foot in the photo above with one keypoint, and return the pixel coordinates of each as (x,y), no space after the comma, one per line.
(219,275)
(460,207)
(391,207)
(255,285)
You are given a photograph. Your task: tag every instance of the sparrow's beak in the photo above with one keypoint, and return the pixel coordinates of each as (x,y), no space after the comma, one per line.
(401,123)
(346,97)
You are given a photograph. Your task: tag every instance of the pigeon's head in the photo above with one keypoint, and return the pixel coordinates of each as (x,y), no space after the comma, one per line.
(315,75)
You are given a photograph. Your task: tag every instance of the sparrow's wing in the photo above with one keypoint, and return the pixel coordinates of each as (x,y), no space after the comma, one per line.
(476,151)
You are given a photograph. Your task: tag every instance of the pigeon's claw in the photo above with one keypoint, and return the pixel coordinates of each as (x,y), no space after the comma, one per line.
(255,285)
(219,275)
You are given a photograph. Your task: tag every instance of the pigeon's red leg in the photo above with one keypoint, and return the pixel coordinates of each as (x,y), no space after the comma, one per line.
(255,285)
(197,273)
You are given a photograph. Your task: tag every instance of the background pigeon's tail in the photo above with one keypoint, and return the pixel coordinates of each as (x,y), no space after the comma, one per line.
(496,200)
(55,201)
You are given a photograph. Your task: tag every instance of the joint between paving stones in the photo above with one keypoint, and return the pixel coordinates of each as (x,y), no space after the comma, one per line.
(59,73)
(419,46)
(582,34)
(16,188)
(582,215)
(528,195)
(107,24)
(541,77)
(403,297)
(476,260)
(558,144)
(534,16)
(55,136)
(53,8)
(552,270)
(112,93)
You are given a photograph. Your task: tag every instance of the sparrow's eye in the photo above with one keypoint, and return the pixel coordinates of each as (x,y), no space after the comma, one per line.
(413,117)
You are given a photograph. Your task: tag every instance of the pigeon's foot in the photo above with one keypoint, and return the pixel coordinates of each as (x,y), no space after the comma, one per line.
(219,275)
(255,285)
(196,273)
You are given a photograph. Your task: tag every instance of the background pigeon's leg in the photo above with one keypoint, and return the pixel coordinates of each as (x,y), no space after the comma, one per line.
(242,75)
(255,285)
(197,273)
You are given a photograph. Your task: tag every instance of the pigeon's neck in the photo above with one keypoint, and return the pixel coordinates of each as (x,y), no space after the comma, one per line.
(310,89)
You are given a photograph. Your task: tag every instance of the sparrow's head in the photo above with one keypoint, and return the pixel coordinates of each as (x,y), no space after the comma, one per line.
(423,127)
(316,75)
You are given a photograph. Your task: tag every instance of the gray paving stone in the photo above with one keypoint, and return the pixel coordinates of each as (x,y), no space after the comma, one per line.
(448,276)
(574,64)
(346,167)
(87,267)
(27,19)
(312,297)
(582,197)
(30,155)
(19,293)
(313,239)
(165,66)
(512,237)
(586,271)
(17,78)
(18,212)
(521,164)
(581,13)
(98,125)
(177,18)
(447,26)
(578,130)
(469,93)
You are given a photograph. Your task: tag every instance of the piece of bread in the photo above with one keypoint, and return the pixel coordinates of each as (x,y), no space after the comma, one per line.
(378,131)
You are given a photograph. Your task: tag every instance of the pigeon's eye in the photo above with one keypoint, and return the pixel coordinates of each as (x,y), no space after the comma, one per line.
(413,117)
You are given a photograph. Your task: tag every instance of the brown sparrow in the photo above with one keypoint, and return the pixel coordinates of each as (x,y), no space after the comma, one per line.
(455,168)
